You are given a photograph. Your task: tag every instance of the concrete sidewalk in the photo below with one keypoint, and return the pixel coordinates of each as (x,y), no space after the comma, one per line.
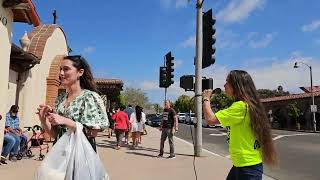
(141,163)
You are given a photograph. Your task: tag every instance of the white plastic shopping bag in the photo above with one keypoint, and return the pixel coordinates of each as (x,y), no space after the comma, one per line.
(72,158)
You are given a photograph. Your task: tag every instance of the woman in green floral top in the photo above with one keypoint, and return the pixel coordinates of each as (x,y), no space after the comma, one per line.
(80,103)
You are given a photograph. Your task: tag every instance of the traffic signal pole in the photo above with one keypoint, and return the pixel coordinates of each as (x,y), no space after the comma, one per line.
(165,94)
(198,80)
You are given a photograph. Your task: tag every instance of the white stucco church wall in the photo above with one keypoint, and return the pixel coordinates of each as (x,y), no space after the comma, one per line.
(34,89)
(6,19)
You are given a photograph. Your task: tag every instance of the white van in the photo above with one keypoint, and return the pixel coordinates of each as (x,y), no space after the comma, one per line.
(190,118)
(181,117)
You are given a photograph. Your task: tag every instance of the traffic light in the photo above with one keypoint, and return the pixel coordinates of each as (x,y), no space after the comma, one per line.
(163,77)
(186,82)
(208,32)
(170,68)
(207,83)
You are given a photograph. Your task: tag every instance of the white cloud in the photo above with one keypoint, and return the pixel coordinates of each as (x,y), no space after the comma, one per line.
(256,42)
(177,63)
(312,26)
(89,49)
(282,73)
(149,85)
(259,62)
(267,73)
(218,73)
(239,10)
(228,39)
(181,3)
(296,54)
(271,75)
(174,91)
(190,42)
(165,3)
(175,3)
(100,73)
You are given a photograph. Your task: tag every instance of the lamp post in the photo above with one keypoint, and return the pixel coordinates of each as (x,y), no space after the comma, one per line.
(313,106)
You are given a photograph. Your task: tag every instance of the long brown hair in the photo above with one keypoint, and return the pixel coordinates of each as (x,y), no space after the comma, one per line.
(244,90)
(138,113)
(86,80)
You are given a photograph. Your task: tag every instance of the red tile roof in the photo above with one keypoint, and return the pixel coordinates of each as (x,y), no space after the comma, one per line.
(39,37)
(26,12)
(103,81)
(290,97)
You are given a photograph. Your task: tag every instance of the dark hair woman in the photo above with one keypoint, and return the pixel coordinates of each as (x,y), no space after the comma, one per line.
(137,120)
(80,103)
(14,109)
(249,131)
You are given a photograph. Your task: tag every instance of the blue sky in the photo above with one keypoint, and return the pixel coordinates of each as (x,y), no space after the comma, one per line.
(128,39)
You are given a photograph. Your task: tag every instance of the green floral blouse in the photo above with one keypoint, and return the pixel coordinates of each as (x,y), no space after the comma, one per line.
(87,108)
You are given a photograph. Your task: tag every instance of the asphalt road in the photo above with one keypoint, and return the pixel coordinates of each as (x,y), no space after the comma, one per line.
(299,152)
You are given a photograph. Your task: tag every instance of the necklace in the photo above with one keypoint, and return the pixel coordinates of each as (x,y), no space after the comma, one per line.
(70,99)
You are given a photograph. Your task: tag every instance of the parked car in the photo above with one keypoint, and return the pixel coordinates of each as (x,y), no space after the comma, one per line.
(205,124)
(181,117)
(190,118)
(150,116)
(154,121)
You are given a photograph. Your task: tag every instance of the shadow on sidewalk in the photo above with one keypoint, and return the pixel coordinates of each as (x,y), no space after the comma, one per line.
(150,152)
(142,154)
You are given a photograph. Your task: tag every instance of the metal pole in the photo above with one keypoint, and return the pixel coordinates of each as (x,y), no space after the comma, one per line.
(165,94)
(198,80)
(314,113)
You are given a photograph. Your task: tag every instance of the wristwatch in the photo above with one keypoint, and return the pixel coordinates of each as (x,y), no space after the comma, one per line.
(205,99)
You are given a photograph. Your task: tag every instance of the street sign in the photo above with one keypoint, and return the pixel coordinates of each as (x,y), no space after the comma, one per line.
(313,108)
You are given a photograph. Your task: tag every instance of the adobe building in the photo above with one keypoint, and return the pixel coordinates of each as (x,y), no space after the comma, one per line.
(278,106)
(30,73)
(39,84)
(21,11)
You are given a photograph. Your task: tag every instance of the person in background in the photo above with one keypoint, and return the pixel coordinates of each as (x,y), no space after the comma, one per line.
(8,143)
(137,120)
(111,126)
(144,132)
(249,132)
(121,124)
(168,126)
(129,110)
(12,127)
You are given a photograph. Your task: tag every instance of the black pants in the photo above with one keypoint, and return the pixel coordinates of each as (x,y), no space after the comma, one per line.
(167,132)
(246,173)
(119,135)
(91,140)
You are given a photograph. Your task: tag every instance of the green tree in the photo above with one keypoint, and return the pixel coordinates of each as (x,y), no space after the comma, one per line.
(182,104)
(221,101)
(267,93)
(157,108)
(135,97)
(294,112)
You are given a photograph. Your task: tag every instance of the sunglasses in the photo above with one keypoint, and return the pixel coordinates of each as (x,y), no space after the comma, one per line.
(74,57)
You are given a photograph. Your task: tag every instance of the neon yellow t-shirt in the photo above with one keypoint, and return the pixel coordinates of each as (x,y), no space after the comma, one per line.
(244,149)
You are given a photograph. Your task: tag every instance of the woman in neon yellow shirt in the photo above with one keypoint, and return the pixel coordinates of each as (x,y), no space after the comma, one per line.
(249,132)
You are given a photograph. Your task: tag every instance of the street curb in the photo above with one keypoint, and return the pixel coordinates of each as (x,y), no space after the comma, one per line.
(207,151)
